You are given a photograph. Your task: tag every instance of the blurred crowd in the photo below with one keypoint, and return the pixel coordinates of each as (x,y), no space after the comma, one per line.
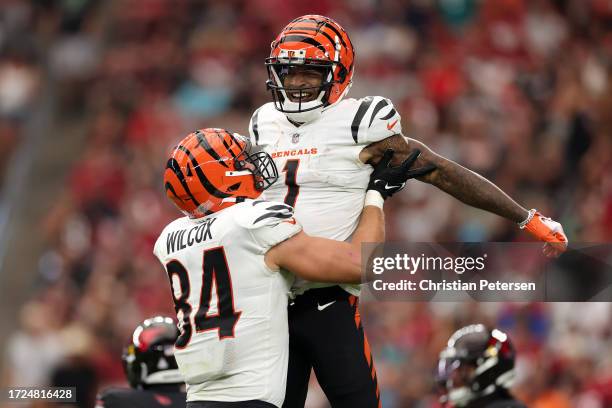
(21,60)
(517,90)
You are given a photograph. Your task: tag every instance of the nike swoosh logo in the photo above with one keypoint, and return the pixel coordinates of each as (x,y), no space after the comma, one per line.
(325,305)
(390,125)
(387,186)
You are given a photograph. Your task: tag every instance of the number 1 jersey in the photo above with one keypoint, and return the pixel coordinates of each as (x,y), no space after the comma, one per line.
(231,308)
(321,175)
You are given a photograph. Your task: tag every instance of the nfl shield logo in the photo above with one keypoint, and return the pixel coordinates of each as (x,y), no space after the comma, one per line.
(295,138)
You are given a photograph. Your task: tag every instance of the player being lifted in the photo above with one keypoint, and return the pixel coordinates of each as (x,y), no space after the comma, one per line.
(233,346)
(322,141)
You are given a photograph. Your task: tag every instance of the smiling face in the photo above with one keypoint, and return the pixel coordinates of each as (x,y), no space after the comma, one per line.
(303,82)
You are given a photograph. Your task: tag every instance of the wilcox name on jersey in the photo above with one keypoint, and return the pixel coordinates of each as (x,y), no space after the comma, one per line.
(231,308)
(181,239)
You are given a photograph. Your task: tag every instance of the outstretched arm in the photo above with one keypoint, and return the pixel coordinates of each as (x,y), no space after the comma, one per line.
(450,177)
(470,188)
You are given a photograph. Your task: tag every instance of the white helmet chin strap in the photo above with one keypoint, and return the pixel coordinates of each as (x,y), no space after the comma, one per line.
(302,117)
(311,115)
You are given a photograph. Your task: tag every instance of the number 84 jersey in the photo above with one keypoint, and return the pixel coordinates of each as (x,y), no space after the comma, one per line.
(231,308)
(321,175)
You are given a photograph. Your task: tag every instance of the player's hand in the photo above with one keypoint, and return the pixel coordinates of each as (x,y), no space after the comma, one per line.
(549,231)
(389,180)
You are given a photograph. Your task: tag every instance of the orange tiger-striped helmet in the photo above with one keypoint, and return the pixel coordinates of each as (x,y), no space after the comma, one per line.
(212,169)
(316,42)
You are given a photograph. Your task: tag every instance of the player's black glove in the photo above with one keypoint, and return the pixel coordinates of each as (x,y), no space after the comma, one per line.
(389,180)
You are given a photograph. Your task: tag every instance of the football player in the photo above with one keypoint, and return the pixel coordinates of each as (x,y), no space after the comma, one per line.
(476,369)
(151,370)
(233,346)
(322,142)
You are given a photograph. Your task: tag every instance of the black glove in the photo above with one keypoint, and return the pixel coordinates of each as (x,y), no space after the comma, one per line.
(389,180)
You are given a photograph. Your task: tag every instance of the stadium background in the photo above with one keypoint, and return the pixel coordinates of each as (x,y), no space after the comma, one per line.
(94,93)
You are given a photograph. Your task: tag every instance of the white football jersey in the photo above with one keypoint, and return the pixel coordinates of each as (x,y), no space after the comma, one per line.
(321,175)
(231,308)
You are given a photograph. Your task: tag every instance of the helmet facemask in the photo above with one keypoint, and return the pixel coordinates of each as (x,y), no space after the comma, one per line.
(262,166)
(257,163)
(149,359)
(299,110)
(456,375)
(475,364)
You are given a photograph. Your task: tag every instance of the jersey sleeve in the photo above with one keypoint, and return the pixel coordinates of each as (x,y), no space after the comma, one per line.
(375,119)
(159,249)
(268,223)
(254,127)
